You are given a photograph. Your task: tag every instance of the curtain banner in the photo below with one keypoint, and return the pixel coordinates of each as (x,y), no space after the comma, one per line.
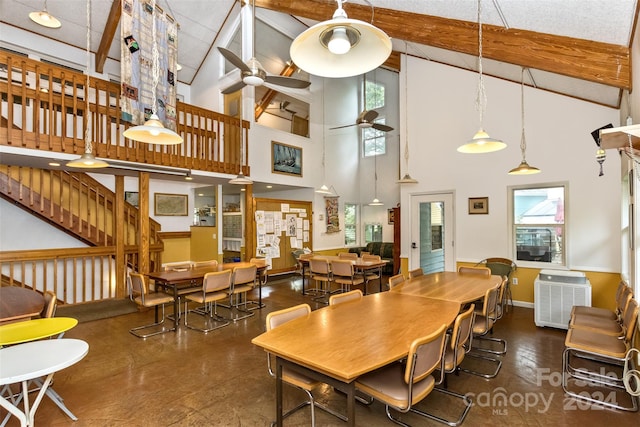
(136,64)
(333,221)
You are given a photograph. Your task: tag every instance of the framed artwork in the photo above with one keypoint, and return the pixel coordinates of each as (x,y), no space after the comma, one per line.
(170,204)
(333,221)
(131,197)
(286,159)
(390,216)
(478,205)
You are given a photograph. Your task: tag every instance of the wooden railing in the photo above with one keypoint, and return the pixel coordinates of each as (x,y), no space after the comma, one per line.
(76,275)
(43,108)
(73,202)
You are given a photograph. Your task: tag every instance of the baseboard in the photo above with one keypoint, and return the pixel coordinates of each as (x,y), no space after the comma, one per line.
(523,304)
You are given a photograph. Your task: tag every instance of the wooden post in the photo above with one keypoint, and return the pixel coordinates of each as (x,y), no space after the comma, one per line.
(249,224)
(119,232)
(143,225)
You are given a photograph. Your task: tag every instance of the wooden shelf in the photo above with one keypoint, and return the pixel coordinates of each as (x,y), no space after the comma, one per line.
(619,137)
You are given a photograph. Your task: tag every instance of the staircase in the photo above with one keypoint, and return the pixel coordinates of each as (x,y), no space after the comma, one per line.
(74,203)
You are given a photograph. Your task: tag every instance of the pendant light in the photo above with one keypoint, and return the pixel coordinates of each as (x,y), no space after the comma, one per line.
(323,188)
(241,179)
(375,201)
(340,47)
(44,18)
(523,168)
(153,131)
(481,141)
(406,179)
(87,160)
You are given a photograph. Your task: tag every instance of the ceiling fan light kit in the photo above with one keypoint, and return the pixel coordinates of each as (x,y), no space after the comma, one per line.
(340,47)
(44,18)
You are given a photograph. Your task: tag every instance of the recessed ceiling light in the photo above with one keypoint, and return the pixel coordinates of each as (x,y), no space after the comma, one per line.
(54,164)
(269,186)
(243,189)
(200,195)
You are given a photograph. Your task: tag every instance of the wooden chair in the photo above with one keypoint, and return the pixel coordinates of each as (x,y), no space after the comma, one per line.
(401,386)
(343,274)
(416,272)
(354,295)
(244,280)
(50,304)
(143,298)
(209,263)
(321,274)
(293,378)
(370,275)
(347,255)
(216,286)
(395,280)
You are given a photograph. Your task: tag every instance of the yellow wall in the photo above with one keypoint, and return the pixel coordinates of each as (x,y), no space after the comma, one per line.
(603,286)
(176,250)
(204,244)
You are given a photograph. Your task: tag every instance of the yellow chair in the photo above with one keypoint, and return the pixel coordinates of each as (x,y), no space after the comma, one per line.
(343,274)
(216,286)
(291,377)
(243,281)
(321,274)
(143,298)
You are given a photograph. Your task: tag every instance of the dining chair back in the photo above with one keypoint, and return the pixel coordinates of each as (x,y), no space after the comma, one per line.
(343,274)
(395,280)
(262,275)
(216,286)
(177,266)
(209,263)
(142,297)
(401,386)
(276,319)
(244,280)
(321,274)
(347,255)
(416,272)
(354,295)
(481,271)
(50,304)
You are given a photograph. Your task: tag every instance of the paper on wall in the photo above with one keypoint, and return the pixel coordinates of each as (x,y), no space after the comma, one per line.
(284,207)
(293,242)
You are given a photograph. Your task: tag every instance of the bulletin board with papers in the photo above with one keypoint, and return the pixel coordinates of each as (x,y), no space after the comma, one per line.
(281,227)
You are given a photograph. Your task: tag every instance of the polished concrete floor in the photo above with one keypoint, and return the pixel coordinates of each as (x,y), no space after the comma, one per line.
(220,379)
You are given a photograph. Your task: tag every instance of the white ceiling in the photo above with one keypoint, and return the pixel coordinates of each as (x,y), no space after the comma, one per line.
(201,21)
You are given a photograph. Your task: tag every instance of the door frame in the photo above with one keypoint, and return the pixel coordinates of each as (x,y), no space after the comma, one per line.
(448,197)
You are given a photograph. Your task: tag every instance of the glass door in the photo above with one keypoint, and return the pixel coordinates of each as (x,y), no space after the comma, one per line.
(432,232)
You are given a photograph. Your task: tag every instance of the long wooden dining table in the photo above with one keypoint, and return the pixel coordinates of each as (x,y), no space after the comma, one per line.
(337,344)
(192,278)
(360,266)
(462,288)
(17,303)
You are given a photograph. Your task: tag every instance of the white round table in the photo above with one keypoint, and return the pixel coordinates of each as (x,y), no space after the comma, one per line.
(23,362)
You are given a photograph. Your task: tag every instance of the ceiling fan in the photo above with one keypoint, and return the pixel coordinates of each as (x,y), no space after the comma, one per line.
(366,118)
(253,73)
(282,107)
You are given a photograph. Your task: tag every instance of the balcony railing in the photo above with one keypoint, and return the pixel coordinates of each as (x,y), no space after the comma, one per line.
(44,108)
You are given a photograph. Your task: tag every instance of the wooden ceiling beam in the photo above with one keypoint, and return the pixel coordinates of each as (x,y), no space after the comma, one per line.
(603,63)
(108,34)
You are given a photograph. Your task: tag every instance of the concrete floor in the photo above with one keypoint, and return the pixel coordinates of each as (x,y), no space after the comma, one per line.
(189,378)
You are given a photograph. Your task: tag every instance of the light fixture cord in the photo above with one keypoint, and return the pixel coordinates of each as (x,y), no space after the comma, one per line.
(406,104)
(155,57)
(481,100)
(241,135)
(324,137)
(88,146)
(523,141)
(375,172)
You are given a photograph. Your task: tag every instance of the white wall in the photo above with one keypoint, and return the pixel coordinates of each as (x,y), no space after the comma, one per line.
(442,116)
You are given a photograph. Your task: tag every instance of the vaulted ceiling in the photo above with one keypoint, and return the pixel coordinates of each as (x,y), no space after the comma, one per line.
(578,48)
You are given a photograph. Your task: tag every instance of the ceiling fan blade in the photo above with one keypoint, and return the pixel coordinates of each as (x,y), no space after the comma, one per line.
(234,87)
(287,82)
(340,127)
(234,59)
(369,116)
(381,127)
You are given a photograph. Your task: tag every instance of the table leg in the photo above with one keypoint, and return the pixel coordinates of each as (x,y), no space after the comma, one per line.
(351,403)
(304,268)
(176,308)
(380,275)
(13,410)
(279,391)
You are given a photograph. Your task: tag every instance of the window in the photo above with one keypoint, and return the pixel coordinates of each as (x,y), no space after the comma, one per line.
(350,224)
(372,233)
(374,141)
(538,223)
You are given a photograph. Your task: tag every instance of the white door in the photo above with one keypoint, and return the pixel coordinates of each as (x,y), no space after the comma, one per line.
(432,232)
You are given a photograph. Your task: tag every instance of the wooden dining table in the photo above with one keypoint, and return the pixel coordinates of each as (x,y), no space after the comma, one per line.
(462,288)
(176,280)
(360,266)
(18,303)
(337,344)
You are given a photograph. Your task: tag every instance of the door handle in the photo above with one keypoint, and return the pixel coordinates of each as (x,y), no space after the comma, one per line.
(414,245)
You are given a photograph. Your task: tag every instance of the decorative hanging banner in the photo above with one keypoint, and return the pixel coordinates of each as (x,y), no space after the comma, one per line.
(333,221)
(137,63)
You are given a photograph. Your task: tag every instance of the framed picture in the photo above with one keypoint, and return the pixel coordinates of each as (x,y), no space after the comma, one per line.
(478,205)
(170,204)
(131,197)
(391,216)
(286,159)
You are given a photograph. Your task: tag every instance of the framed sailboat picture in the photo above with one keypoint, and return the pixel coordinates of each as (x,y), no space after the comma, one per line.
(286,159)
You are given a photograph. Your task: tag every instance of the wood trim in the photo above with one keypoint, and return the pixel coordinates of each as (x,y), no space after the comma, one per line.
(583,59)
(167,235)
(108,33)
